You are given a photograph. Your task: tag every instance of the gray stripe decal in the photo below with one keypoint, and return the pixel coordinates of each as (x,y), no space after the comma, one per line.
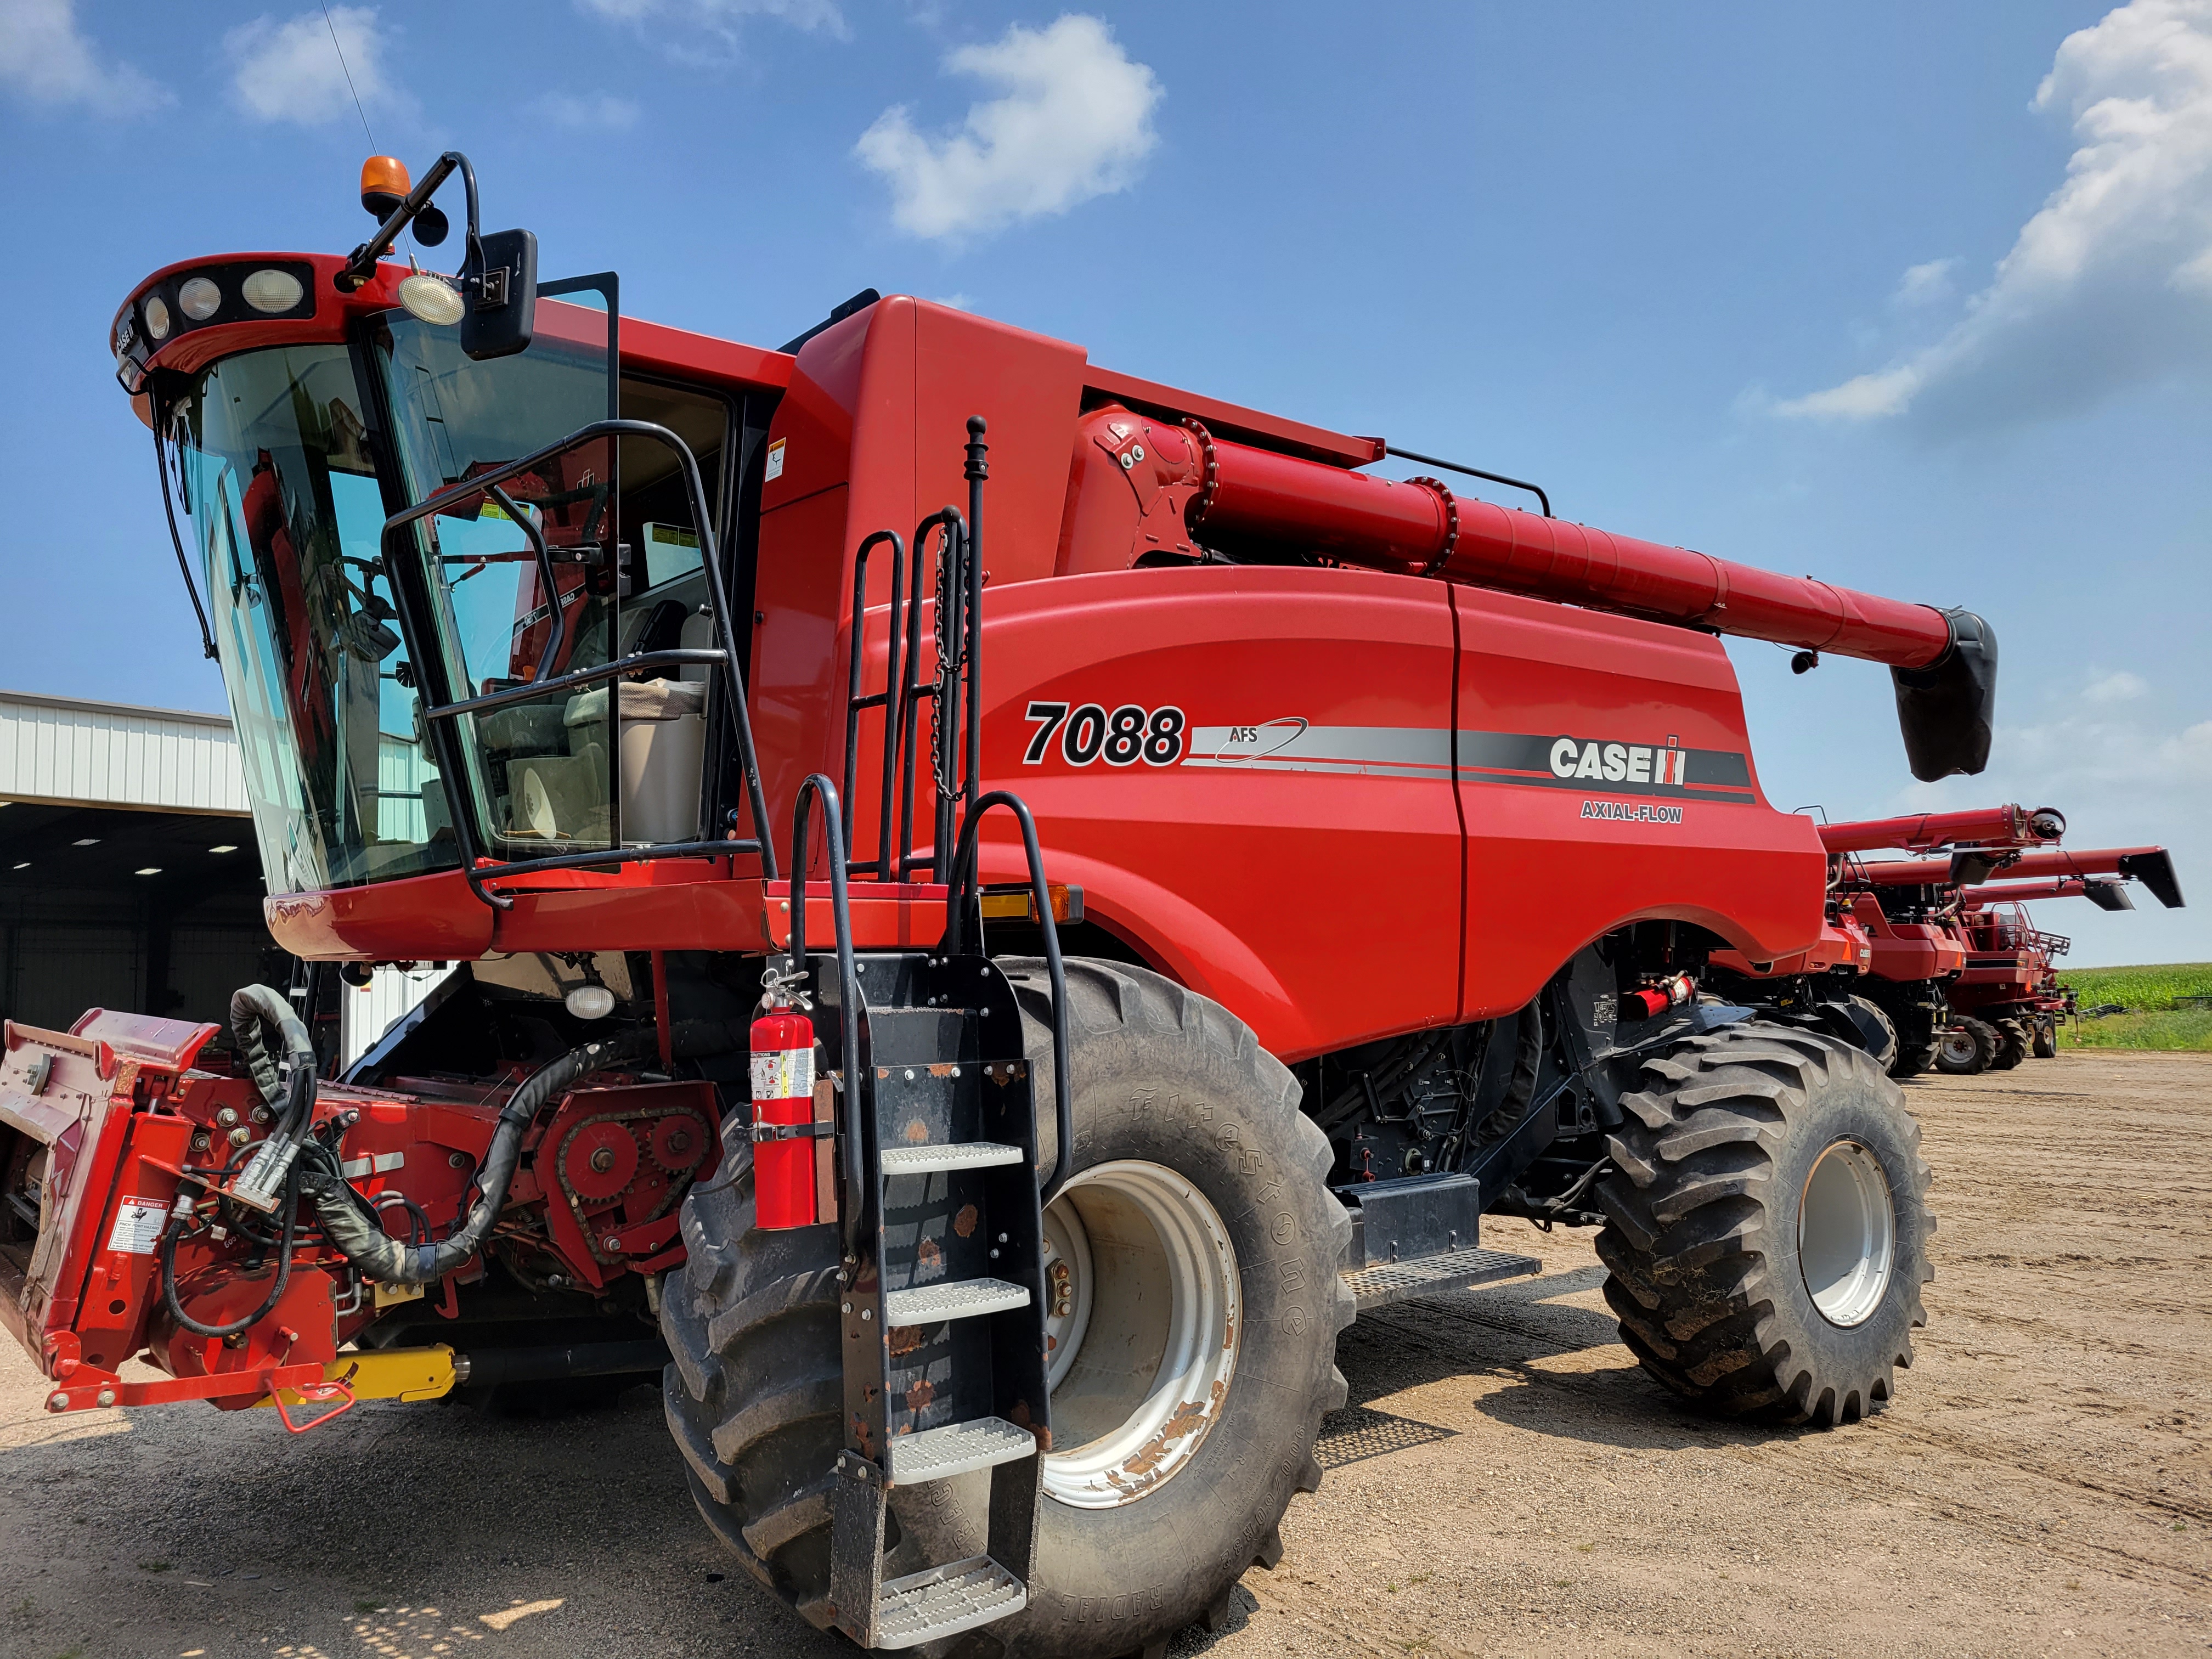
(1295,745)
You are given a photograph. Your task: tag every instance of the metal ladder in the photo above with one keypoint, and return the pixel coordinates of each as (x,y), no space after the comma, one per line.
(942,1295)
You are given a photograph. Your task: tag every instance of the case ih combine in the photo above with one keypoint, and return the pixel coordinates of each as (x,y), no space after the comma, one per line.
(1986,977)
(1389,835)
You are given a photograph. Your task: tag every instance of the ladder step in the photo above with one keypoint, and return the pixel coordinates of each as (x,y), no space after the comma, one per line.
(1385,1282)
(940,1602)
(966,1155)
(959,1298)
(956,1448)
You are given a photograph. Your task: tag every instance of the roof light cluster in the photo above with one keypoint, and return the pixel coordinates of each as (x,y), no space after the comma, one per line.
(219,294)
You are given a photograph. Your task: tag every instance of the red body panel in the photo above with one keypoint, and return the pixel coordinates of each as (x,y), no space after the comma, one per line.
(1477,781)
(1907,951)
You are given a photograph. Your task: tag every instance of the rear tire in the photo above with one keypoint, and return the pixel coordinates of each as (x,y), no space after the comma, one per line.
(1766,1230)
(2012,1045)
(1888,1051)
(1967,1048)
(1164,1081)
(2045,1043)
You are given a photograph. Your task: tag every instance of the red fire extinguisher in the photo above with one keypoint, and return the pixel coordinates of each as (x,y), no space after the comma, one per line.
(783,1106)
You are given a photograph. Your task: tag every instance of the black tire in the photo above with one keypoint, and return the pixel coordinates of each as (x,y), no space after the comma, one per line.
(1885,1053)
(2012,1045)
(1161,1075)
(1703,1241)
(1967,1048)
(1912,1058)
(2045,1043)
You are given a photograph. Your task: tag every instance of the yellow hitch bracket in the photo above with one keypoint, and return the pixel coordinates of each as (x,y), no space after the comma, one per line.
(386,1374)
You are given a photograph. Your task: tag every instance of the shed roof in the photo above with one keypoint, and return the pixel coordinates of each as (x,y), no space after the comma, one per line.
(78,751)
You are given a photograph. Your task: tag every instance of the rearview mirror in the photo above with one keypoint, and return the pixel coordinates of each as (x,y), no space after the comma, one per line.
(499,280)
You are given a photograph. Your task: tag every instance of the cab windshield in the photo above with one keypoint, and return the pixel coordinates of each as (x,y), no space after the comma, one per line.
(288,486)
(276,472)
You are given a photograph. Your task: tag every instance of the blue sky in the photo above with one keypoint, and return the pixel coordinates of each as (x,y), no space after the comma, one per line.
(1918,298)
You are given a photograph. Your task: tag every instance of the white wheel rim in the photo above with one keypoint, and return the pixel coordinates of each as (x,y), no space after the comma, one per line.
(1958,1048)
(1846,1234)
(1143,1349)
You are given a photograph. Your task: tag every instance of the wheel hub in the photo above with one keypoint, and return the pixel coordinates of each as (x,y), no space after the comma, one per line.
(1141,1324)
(1846,1233)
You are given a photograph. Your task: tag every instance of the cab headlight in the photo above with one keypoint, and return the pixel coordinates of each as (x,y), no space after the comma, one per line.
(271,290)
(157,317)
(431,300)
(200,298)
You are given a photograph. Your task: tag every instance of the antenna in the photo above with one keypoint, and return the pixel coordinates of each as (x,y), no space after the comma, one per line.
(348,73)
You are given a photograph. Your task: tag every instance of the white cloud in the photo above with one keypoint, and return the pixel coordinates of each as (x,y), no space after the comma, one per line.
(46,59)
(291,71)
(587,110)
(958,301)
(1925,285)
(1075,120)
(719,22)
(2111,282)
(2120,687)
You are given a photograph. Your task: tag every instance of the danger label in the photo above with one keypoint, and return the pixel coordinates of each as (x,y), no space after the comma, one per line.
(783,1074)
(137,1225)
(775,470)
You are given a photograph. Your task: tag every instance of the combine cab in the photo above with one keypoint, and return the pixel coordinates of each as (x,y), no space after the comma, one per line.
(993,1006)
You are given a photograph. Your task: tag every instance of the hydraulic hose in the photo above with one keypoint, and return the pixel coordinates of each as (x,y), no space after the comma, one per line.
(361,1238)
(287,1084)
(175,1230)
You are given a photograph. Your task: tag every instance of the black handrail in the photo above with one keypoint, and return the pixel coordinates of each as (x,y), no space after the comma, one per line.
(559,634)
(684,656)
(976,471)
(911,693)
(739,713)
(887,699)
(858,1185)
(964,895)
(1537,491)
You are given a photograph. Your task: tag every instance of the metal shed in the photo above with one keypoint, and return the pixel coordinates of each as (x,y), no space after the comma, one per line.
(129,877)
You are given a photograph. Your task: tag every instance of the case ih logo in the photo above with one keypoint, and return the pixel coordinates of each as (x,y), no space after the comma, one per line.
(1625,769)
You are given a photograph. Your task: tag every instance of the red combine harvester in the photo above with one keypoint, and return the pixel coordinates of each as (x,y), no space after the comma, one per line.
(2004,1000)
(1000,1287)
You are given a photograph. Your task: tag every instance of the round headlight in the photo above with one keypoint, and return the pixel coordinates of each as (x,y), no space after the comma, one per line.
(591,1002)
(271,290)
(430,299)
(157,317)
(200,298)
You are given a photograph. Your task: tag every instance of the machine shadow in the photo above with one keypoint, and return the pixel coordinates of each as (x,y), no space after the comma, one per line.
(471,1523)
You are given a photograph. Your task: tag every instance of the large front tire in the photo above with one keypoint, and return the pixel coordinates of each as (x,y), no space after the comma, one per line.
(1766,1230)
(1190,1143)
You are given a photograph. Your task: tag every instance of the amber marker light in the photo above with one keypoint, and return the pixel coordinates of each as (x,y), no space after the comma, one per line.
(384,183)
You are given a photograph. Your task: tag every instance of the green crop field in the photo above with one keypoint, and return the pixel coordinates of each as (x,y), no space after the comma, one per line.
(2148,995)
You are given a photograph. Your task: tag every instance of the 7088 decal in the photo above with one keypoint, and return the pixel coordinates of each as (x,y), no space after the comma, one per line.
(1087,732)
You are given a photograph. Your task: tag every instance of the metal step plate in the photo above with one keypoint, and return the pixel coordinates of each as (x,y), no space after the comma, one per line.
(945,1601)
(940,1453)
(1382,1283)
(961,1298)
(925,1160)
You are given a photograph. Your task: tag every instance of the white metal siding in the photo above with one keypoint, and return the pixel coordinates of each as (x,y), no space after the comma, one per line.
(110,754)
(366,1014)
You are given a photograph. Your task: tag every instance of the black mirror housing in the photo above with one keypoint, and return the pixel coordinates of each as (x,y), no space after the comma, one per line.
(501,282)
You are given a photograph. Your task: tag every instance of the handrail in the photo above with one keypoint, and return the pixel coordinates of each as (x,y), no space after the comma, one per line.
(961,897)
(684,656)
(858,1185)
(887,699)
(559,634)
(710,561)
(914,690)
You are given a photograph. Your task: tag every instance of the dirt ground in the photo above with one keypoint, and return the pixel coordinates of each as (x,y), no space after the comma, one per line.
(1504,1480)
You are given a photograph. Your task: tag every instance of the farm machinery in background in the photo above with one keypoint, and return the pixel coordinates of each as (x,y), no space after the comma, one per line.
(1405,850)
(1934,962)
(1995,999)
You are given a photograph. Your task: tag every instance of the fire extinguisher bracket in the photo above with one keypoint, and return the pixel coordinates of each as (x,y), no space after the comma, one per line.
(794,1131)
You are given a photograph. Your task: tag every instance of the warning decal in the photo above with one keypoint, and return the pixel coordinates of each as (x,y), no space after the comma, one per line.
(137,1225)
